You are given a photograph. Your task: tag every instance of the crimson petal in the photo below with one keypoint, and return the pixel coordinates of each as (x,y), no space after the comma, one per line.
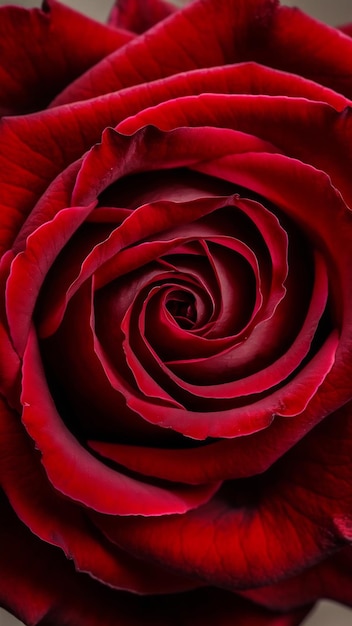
(83,122)
(56,594)
(143,59)
(235,540)
(70,467)
(62,523)
(35,65)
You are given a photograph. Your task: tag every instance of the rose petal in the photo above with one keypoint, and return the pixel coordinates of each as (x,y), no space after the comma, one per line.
(302,45)
(70,467)
(83,122)
(329,579)
(72,359)
(277,120)
(55,593)
(346,29)
(119,155)
(62,523)
(217,460)
(156,381)
(145,222)
(143,59)
(10,365)
(280,37)
(291,400)
(35,64)
(31,266)
(259,531)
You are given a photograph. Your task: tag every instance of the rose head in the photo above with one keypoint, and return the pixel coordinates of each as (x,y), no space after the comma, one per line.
(176,316)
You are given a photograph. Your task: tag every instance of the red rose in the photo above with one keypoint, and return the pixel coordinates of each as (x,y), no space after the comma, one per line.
(176,332)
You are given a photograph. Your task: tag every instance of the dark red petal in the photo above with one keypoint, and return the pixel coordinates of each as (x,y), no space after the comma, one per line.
(169,339)
(62,523)
(162,464)
(262,530)
(55,593)
(296,189)
(26,172)
(41,53)
(332,579)
(346,29)
(70,467)
(143,379)
(119,155)
(300,44)
(43,141)
(139,15)
(10,365)
(292,399)
(225,32)
(211,418)
(146,222)
(259,342)
(219,460)
(29,269)
(277,120)
(71,361)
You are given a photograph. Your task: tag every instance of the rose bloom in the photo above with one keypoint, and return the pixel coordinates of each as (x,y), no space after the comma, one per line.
(176,317)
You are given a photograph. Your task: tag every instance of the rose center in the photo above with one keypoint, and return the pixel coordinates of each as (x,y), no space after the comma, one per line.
(182,307)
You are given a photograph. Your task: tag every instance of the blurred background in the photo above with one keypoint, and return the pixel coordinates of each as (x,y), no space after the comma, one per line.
(335,12)
(331,11)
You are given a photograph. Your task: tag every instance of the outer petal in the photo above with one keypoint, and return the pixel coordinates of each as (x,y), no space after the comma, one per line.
(139,15)
(227,31)
(346,29)
(300,44)
(35,149)
(259,531)
(62,523)
(41,52)
(55,593)
(330,579)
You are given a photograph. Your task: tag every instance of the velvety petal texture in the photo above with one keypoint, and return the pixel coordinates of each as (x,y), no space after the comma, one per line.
(41,53)
(175,314)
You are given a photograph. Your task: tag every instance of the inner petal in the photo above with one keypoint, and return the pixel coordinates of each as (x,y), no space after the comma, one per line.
(182,306)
